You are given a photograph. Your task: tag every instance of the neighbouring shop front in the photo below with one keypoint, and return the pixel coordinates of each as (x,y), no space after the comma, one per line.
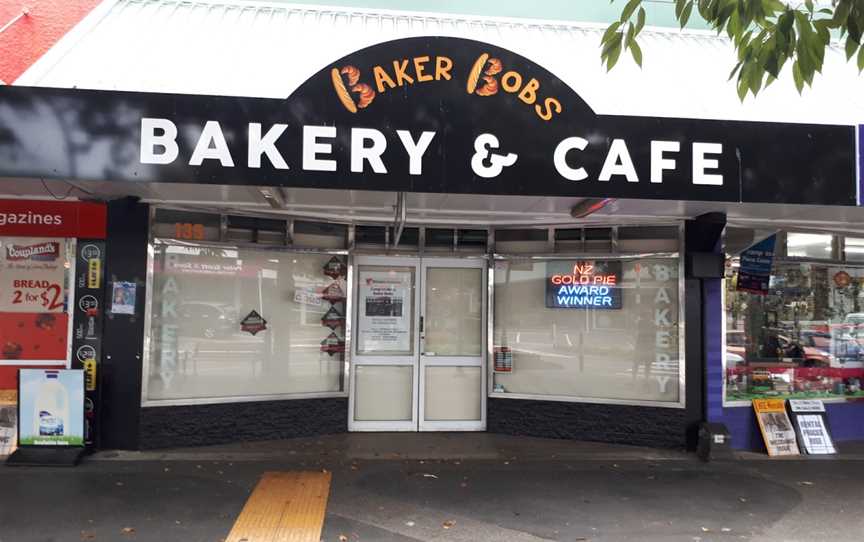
(312,317)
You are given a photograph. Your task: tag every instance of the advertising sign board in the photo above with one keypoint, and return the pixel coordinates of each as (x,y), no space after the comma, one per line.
(583,284)
(777,430)
(51,407)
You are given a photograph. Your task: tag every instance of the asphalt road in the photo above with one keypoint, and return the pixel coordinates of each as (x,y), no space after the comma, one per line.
(502,499)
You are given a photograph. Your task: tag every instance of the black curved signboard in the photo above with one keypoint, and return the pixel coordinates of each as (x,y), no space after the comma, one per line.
(427,114)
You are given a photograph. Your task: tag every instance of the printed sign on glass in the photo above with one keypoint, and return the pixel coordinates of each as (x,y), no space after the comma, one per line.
(385,312)
(754,275)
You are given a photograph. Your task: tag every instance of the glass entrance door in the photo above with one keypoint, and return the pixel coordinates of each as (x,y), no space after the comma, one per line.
(419,344)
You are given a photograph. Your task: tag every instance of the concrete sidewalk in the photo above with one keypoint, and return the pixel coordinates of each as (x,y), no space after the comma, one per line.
(509,490)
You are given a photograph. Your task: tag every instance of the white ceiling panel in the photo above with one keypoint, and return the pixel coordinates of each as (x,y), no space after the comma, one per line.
(260,49)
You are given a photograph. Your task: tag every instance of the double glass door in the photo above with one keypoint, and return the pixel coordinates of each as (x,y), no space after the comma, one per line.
(418,345)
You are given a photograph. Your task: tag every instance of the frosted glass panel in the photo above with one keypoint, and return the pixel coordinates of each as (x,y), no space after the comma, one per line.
(454,304)
(383,393)
(452,393)
(626,349)
(204,339)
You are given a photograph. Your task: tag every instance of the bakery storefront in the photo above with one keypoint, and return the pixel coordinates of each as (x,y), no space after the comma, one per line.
(448,311)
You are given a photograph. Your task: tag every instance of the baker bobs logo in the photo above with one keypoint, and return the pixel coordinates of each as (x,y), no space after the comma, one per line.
(487,77)
(43,252)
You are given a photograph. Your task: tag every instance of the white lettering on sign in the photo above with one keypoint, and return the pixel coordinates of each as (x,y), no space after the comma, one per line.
(159,146)
(560,158)
(659,164)
(361,153)
(259,145)
(312,148)
(701,163)
(211,146)
(30,219)
(415,150)
(166,141)
(618,162)
(483,147)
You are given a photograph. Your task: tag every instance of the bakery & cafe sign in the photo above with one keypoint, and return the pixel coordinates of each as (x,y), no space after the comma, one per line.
(430,114)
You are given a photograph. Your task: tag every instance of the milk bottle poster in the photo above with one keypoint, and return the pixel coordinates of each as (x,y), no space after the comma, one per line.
(385,312)
(51,407)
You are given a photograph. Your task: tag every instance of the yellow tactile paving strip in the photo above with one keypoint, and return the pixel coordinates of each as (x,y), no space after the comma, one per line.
(284,507)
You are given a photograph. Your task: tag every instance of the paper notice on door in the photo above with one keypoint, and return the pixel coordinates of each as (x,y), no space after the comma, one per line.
(384,312)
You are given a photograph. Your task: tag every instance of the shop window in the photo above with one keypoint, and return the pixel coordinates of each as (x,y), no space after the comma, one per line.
(809,245)
(410,238)
(854,249)
(264,231)
(598,240)
(207,341)
(522,241)
(36,275)
(804,338)
(370,236)
(320,235)
(471,240)
(439,239)
(574,329)
(644,239)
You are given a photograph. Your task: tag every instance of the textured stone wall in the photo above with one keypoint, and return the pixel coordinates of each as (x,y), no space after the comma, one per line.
(638,425)
(198,425)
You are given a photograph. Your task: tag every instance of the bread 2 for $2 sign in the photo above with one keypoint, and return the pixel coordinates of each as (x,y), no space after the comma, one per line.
(32,274)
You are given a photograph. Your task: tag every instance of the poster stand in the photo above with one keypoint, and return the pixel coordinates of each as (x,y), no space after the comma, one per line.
(50,418)
(811,425)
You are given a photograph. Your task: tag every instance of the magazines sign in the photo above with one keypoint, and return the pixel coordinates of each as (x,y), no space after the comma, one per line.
(384,312)
(777,430)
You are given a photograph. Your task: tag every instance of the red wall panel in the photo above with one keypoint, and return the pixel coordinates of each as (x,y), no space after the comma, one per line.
(31,36)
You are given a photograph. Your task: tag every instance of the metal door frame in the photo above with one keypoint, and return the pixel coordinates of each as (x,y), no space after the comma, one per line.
(478,361)
(420,265)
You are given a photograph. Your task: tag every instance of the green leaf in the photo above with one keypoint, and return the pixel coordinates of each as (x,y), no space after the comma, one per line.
(679,6)
(851,47)
(629,9)
(636,51)
(640,20)
(612,59)
(685,14)
(734,70)
(861,60)
(610,32)
(796,76)
(742,88)
(809,4)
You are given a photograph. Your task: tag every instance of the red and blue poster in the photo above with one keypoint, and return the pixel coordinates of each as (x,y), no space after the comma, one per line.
(754,275)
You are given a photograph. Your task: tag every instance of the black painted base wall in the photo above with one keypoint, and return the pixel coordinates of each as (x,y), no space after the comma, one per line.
(637,425)
(199,425)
